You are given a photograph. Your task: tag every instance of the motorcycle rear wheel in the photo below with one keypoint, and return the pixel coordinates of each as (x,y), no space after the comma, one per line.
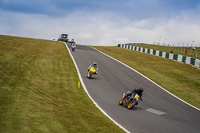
(131,105)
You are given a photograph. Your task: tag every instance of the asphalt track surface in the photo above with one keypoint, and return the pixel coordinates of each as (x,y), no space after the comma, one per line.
(158,112)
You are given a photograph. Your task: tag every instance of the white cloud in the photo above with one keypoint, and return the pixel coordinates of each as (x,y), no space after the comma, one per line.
(104,28)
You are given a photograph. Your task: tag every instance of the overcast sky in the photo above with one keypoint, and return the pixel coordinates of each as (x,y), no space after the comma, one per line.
(104,22)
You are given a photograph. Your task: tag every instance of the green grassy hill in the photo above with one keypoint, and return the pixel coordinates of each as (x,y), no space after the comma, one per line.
(39,93)
(183,80)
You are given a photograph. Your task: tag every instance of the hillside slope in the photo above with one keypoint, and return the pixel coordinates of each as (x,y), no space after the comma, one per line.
(39,92)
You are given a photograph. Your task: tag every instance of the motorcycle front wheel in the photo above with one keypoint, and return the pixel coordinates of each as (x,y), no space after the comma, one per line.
(89,75)
(120,102)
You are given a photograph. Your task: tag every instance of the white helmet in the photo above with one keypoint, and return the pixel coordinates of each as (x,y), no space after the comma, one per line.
(95,63)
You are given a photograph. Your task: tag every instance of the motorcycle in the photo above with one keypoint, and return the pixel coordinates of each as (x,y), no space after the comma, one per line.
(91,72)
(129,101)
(73,46)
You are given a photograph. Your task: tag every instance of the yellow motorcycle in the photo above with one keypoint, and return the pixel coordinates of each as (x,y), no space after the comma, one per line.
(129,101)
(91,72)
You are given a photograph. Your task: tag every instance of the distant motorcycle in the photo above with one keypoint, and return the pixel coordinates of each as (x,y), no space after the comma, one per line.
(73,46)
(91,72)
(129,101)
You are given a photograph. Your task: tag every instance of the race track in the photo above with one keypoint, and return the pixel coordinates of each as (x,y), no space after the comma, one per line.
(158,112)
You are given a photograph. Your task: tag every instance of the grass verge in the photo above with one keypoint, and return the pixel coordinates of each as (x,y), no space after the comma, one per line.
(180,79)
(39,93)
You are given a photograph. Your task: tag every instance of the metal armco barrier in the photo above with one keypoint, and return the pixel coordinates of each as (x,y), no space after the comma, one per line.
(179,58)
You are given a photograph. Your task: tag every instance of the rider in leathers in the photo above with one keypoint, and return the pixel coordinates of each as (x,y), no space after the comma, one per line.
(138,91)
(93,65)
(73,43)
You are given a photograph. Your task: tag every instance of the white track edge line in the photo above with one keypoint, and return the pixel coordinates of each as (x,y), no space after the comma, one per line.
(79,74)
(149,80)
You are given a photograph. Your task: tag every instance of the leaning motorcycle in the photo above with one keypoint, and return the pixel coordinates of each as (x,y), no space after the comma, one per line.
(129,101)
(91,72)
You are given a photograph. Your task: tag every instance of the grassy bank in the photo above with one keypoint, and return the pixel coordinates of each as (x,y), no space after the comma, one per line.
(39,93)
(194,53)
(181,79)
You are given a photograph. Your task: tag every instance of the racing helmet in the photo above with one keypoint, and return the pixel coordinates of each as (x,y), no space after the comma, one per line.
(94,63)
(140,89)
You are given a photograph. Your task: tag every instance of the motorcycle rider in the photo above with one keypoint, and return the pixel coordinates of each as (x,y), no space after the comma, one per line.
(73,43)
(95,67)
(138,91)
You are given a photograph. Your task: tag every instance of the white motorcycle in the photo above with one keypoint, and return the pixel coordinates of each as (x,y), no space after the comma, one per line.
(73,46)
